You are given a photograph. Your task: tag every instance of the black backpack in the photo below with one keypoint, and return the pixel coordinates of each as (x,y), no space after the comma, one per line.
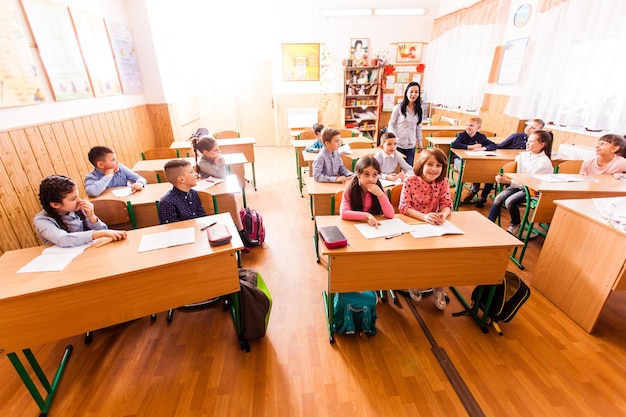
(510,295)
(199,133)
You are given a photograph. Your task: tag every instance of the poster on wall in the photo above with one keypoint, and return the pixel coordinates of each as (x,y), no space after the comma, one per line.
(58,49)
(408,52)
(512,60)
(125,57)
(94,44)
(21,81)
(301,61)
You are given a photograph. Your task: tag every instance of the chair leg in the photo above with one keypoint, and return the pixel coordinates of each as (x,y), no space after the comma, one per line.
(170,315)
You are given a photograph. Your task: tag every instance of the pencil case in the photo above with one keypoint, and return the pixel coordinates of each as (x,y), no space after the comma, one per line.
(332,237)
(218,235)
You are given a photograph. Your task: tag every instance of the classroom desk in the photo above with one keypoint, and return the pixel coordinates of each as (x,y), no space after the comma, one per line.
(144,201)
(580,263)
(356,154)
(430,128)
(243,145)
(104,286)
(478,257)
(443,143)
(299,146)
(234,161)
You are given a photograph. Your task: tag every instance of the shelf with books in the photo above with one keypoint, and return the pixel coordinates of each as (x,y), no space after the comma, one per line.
(362,99)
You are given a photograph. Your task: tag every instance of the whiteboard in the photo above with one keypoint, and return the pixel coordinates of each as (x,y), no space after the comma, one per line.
(297,118)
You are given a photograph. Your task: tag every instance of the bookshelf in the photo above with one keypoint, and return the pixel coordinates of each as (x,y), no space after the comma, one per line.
(362,93)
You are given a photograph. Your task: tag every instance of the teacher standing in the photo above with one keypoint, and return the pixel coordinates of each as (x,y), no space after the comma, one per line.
(406,122)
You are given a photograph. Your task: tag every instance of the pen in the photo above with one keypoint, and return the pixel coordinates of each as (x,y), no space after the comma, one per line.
(394,235)
(206,227)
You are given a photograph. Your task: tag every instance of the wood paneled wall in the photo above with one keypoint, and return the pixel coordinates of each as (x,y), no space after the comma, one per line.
(494,120)
(29,154)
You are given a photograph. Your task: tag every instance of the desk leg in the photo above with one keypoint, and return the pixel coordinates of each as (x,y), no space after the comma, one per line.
(459,188)
(316,243)
(44,405)
(473,311)
(253,176)
(328,308)
(243,195)
(299,173)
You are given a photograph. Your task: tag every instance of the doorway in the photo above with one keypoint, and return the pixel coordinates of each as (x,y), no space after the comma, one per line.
(255,102)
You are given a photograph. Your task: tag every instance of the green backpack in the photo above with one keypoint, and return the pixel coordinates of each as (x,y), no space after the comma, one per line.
(355,312)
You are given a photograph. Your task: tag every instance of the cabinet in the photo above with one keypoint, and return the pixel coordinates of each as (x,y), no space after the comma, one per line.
(362,100)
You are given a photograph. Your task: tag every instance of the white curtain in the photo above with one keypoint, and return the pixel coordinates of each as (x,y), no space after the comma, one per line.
(460,55)
(576,66)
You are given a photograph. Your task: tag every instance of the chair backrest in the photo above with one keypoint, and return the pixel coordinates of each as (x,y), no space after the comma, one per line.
(569,167)
(441,123)
(362,145)
(159,153)
(307,134)
(394,196)
(226,134)
(488,133)
(346,133)
(208,202)
(510,167)
(347,161)
(150,176)
(115,213)
(443,134)
(335,203)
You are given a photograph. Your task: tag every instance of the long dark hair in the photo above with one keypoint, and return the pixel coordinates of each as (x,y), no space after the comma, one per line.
(53,189)
(204,143)
(355,193)
(545,138)
(417,106)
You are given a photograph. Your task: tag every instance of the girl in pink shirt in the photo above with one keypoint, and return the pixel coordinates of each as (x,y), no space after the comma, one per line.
(426,197)
(610,152)
(364,197)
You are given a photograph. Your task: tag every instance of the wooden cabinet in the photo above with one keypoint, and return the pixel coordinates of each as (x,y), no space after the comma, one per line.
(362,100)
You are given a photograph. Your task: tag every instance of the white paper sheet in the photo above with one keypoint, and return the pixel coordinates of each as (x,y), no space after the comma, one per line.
(387,183)
(207,182)
(122,192)
(561,178)
(429,230)
(483,153)
(162,240)
(388,227)
(54,258)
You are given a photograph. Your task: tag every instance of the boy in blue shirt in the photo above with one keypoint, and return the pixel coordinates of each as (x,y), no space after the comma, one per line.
(328,166)
(317,145)
(109,173)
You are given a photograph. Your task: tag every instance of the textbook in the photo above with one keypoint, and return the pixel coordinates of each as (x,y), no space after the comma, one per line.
(162,240)
(429,230)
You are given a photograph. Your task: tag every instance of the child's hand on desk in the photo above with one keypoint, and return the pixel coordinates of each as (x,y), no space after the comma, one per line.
(138,186)
(372,221)
(435,218)
(342,179)
(111,234)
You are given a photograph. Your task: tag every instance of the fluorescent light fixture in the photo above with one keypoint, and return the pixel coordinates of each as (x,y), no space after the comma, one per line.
(345,12)
(400,12)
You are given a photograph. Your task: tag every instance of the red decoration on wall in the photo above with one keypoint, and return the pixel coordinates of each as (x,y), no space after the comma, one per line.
(389,69)
(420,68)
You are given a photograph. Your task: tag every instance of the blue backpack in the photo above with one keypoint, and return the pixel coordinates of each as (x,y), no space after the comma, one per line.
(355,312)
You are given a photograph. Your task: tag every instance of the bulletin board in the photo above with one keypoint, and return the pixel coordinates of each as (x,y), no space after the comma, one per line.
(301,61)
(394,86)
(58,48)
(125,57)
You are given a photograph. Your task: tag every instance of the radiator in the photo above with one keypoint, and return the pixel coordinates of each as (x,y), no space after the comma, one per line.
(576,151)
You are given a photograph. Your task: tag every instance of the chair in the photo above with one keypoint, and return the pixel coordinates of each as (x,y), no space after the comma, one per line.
(441,123)
(362,145)
(348,162)
(307,134)
(209,202)
(443,134)
(226,134)
(510,167)
(150,176)
(527,229)
(393,194)
(115,213)
(568,167)
(159,153)
(488,133)
(346,133)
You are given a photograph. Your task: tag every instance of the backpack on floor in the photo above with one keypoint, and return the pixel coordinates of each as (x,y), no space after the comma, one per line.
(252,222)
(355,312)
(509,297)
(256,304)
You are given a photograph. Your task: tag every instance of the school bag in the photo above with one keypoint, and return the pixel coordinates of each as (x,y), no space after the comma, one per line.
(509,297)
(252,222)
(355,312)
(256,304)
(199,133)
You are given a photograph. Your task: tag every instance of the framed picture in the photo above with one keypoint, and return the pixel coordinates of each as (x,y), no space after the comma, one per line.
(409,52)
(301,61)
(359,48)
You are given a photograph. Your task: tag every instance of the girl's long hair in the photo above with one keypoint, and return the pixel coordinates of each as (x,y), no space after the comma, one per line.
(354,190)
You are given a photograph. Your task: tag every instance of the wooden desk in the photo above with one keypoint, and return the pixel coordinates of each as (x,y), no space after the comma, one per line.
(581,263)
(144,206)
(356,154)
(480,256)
(243,145)
(594,186)
(443,143)
(320,194)
(108,285)
(234,161)
(299,146)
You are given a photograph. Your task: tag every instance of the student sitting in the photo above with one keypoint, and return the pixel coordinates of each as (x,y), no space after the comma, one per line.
(67,220)
(318,144)
(109,173)
(328,166)
(389,159)
(182,202)
(610,152)
(472,139)
(518,140)
(364,197)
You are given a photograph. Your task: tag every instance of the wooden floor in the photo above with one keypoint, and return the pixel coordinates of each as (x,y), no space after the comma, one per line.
(544,365)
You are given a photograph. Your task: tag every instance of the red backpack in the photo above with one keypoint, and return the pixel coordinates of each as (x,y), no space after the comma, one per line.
(252,222)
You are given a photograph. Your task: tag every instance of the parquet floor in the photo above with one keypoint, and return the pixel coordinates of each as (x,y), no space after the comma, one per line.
(543,365)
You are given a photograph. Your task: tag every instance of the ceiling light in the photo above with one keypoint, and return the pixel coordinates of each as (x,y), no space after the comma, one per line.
(345,12)
(400,12)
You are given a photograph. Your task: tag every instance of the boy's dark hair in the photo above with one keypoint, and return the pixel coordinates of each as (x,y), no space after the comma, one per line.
(329,133)
(318,127)
(98,153)
(385,136)
(53,189)
(173,167)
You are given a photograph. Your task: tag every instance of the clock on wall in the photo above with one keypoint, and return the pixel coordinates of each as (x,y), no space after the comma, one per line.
(522,15)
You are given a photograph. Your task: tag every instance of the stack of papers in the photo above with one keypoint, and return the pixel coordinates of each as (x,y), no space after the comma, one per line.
(396,227)
(54,258)
(162,240)
(429,230)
